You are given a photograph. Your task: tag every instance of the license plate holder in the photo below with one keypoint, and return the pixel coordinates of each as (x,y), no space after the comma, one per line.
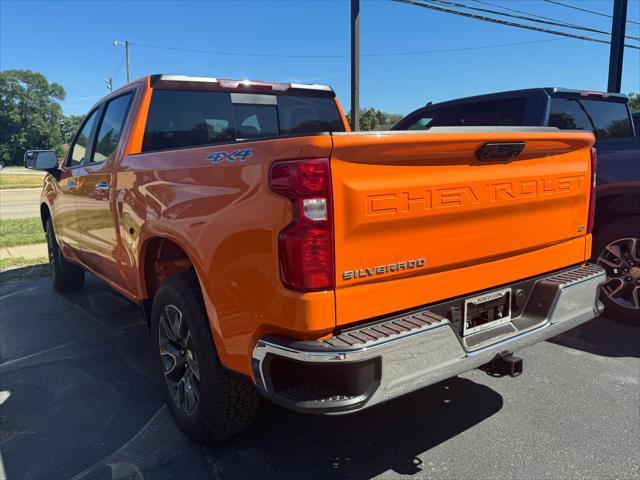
(486,311)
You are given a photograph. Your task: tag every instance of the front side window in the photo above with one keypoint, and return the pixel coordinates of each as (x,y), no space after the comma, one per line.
(421,124)
(110,129)
(80,146)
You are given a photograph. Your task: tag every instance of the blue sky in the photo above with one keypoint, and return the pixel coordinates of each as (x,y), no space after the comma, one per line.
(71,43)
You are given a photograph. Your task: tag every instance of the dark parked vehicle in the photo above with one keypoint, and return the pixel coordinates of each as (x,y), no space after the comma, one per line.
(616,238)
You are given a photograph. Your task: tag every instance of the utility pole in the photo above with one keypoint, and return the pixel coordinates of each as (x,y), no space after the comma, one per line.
(618,25)
(117,43)
(355,65)
(109,83)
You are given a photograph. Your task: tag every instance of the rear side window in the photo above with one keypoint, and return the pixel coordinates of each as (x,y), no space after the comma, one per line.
(189,118)
(111,128)
(185,118)
(605,119)
(505,112)
(610,119)
(568,114)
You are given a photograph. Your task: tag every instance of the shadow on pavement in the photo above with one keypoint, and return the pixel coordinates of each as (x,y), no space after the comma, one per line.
(79,400)
(603,336)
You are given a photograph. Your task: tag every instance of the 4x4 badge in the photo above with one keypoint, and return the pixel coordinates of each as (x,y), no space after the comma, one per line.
(219,157)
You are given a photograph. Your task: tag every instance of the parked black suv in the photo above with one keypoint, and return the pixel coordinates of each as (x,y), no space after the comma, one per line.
(616,237)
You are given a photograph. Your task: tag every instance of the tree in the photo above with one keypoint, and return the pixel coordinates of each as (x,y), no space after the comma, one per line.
(368,120)
(372,119)
(634,102)
(69,126)
(30,114)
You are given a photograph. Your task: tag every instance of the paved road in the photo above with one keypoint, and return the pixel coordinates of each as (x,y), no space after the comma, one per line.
(79,400)
(20,203)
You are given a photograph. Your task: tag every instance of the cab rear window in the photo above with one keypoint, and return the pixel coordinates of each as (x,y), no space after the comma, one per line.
(190,118)
(500,112)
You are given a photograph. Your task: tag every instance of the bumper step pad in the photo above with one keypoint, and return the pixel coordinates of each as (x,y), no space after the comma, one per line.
(377,332)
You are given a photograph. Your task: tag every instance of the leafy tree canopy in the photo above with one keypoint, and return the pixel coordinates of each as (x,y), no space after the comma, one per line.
(372,119)
(69,126)
(634,102)
(30,114)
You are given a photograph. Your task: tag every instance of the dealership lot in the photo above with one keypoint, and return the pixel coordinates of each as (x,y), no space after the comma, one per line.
(79,399)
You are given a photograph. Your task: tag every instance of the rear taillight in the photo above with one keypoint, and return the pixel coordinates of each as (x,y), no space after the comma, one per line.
(306,244)
(592,198)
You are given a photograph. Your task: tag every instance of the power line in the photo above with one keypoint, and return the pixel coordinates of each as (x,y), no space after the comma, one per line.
(346,55)
(573,25)
(585,10)
(528,18)
(514,10)
(117,71)
(510,24)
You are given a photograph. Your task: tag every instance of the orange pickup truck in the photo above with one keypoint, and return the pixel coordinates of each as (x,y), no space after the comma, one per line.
(275,252)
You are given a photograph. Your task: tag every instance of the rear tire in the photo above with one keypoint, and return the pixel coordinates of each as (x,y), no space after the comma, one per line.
(206,400)
(66,276)
(616,248)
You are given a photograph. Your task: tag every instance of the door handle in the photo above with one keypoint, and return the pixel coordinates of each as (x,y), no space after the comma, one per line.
(71,186)
(103,187)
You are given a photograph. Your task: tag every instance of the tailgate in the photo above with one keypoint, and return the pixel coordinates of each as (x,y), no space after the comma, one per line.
(418,218)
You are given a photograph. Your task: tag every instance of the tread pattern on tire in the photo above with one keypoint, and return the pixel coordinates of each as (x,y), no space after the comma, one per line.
(66,276)
(237,401)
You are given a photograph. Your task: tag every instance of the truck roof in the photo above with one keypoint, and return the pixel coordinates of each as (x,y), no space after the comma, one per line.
(549,91)
(236,83)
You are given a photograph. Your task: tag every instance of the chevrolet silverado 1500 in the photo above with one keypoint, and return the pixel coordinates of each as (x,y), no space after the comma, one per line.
(275,252)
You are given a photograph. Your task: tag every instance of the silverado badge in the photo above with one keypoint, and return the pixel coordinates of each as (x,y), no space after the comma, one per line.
(381,269)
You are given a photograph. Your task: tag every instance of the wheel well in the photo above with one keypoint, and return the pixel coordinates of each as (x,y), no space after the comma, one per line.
(44,215)
(162,258)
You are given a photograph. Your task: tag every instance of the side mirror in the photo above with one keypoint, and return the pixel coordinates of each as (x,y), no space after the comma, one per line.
(41,160)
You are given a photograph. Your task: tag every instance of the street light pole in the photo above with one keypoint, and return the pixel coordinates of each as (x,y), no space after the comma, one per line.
(117,43)
(617,45)
(355,65)
(126,52)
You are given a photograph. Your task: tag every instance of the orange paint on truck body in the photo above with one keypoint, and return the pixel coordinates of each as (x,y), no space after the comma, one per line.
(416,218)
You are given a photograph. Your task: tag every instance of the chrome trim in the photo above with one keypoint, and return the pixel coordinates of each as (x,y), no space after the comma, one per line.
(485,297)
(186,78)
(312,86)
(422,357)
(456,130)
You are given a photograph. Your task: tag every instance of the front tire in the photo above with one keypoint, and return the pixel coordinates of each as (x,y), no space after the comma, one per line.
(66,276)
(207,402)
(616,248)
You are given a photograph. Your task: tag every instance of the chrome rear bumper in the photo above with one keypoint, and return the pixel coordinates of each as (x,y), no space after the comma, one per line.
(386,359)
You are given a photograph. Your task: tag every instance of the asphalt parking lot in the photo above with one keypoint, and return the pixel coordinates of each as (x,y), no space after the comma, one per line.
(78,399)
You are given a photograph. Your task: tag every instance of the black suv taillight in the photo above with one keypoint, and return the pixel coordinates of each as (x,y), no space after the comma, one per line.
(306,244)
(592,198)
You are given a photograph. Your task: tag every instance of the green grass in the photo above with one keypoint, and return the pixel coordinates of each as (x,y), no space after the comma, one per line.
(21,262)
(12,180)
(21,231)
